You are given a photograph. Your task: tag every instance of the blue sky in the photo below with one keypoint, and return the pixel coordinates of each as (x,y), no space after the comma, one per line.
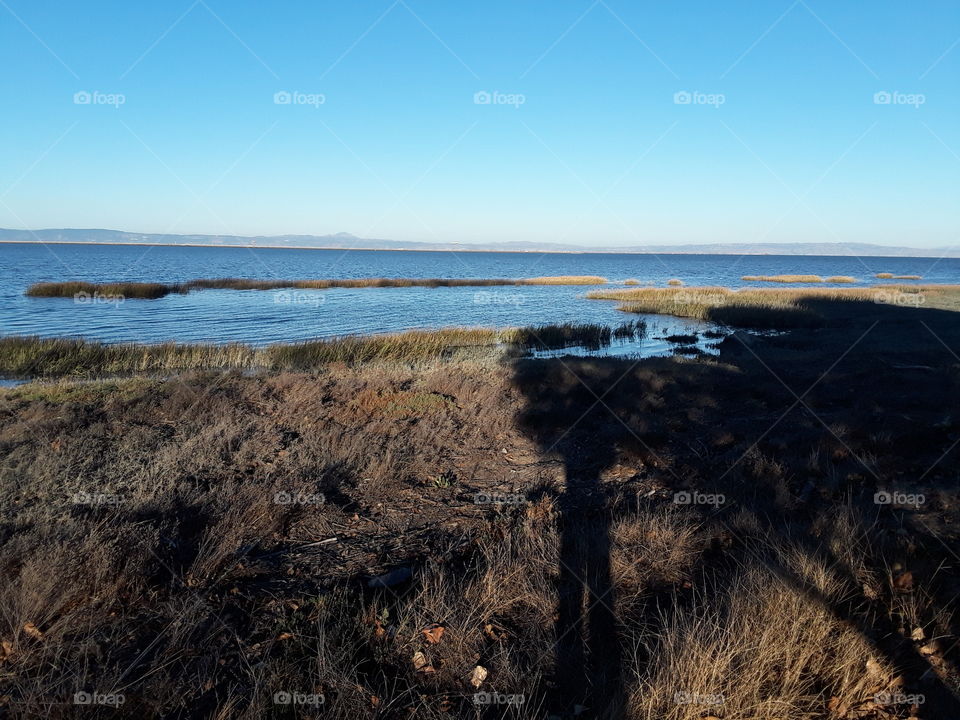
(609,122)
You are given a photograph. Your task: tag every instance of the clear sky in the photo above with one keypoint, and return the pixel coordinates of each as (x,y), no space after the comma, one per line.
(608,122)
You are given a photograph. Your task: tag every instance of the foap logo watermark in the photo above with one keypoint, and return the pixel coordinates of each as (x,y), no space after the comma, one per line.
(286,697)
(899,698)
(95,498)
(95,97)
(495,698)
(492,498)
(698,498)
(295,97)
(682,697)
(299,298)
(491,297)
(899,499)
(685,297)
(695,97)
(899,298)
(97,698)
(97,298)
(886,97)
(298,498)
(484,97)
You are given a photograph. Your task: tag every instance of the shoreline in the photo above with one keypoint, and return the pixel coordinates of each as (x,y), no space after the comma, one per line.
(468,250)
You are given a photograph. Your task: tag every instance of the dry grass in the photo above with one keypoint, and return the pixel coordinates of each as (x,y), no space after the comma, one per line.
(157,290)
(783,278)
(198,595)
(632,281)
(29,356)
(845,279)
(891,276)
(143,291)
(675,282)
(770,308)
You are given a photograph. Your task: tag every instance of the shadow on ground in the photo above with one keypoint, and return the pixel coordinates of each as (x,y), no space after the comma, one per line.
(785,427)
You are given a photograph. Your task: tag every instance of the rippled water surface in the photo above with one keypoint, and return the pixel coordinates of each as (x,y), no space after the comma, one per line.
(274,316)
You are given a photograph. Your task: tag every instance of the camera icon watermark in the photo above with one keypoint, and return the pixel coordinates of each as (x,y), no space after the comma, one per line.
(294,297)
(683,697)
(899,698)
(97,698)
(495,698)
(97,298)
(895,97)
(493,498)
(295,97)
(287,697)
(899,298)
(899,499)
(484,97)
(88,498)
(95,97)
(695,97)
(299,498)
(685,497)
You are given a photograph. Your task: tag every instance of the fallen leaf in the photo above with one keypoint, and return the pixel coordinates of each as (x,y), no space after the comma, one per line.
(478,675)
(917,634)
(33,631)
(903,581)
(284,636)
(6,650)
(433,632)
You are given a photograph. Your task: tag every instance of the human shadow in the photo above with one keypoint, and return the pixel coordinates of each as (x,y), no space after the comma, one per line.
(569,411)
(856,399)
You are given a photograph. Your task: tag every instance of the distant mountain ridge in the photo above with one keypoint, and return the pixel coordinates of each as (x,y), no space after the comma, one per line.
(343,241)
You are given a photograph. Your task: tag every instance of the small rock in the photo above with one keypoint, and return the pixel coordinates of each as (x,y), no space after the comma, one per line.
(421,664)
(478,675)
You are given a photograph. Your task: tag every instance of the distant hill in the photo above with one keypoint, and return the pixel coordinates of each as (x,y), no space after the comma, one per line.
(346,240)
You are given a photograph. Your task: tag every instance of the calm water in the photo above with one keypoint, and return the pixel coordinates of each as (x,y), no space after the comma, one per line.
(272,316)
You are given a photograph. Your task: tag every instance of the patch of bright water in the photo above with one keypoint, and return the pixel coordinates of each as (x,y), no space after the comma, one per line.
(653,344)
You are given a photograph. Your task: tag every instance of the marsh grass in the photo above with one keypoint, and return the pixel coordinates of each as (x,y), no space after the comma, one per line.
(783,278)
(884,276)
(675,282)
(844,279)
(152,291)
(761,308)
(142,291)
(29,356)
